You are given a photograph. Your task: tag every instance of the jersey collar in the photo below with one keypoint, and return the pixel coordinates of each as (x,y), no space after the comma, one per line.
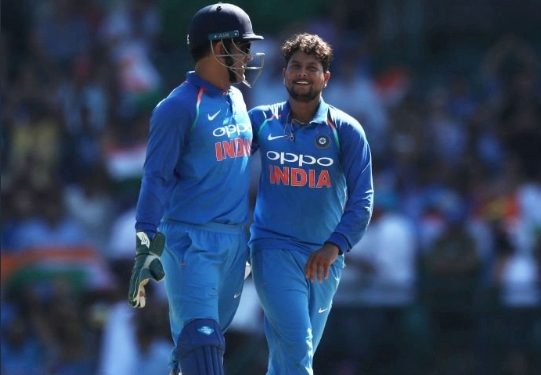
(320,117)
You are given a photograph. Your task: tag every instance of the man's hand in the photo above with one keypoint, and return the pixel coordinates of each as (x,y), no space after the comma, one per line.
(319,263)
(147,265)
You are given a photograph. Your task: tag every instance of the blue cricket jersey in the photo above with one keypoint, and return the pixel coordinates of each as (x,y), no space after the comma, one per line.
(316,179)
(196,168)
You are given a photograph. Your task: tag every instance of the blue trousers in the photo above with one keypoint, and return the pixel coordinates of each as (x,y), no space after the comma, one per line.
(296,309)
(204,273)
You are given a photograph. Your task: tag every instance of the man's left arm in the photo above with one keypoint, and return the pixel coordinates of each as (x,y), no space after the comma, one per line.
(357,163)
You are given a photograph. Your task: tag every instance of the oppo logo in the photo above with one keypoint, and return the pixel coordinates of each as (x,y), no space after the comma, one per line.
(300,160)
(233,130)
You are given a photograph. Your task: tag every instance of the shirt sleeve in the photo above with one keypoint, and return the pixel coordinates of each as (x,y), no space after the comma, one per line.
(169,124)
(257,116)
(357,162)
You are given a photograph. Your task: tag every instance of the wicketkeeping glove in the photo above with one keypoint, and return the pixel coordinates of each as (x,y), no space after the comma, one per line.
(147,265)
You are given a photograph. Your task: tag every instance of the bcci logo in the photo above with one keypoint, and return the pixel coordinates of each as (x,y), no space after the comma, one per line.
(322,141)
(206,330)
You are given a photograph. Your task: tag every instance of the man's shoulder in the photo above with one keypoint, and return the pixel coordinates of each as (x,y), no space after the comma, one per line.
(182,97)
(338,116)
(272,109)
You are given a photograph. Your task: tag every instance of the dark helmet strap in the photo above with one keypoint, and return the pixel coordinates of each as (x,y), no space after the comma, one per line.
(229,63)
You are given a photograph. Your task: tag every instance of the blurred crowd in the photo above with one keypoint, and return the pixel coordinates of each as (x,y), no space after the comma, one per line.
(447,279)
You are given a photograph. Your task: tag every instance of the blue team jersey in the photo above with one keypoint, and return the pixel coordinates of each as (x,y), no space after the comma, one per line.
(316,179)
(196,168)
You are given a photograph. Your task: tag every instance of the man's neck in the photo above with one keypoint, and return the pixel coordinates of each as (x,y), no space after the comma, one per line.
(213,74)
(303,112)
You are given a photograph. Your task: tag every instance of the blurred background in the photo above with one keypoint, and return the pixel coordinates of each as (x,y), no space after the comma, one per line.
(447,279)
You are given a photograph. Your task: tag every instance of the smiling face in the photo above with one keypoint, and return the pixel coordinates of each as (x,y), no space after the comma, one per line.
(304,77)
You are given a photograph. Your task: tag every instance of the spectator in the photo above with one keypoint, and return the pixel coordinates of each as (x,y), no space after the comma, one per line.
(50,227)
(91,206)
(60,20)
(450,279)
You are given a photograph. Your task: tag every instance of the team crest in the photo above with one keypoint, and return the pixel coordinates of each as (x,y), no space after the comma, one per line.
(322,141)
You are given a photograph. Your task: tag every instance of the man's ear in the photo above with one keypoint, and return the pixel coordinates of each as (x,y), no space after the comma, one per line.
(327,77)
(218,47)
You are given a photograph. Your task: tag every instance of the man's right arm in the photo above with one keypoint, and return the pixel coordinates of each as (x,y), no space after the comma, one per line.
(167,135)
(168,129)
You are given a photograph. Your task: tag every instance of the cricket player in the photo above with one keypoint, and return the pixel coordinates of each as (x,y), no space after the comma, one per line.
(193,202)
(314,203)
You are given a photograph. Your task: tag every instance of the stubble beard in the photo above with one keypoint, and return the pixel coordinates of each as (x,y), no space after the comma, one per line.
(305,98)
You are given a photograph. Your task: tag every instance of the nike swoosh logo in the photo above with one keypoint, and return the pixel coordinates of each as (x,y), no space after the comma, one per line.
(322,310)
(271,137)
(212,117)
(236,295)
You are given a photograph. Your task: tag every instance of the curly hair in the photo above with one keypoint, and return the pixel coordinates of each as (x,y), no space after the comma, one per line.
(311,44)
